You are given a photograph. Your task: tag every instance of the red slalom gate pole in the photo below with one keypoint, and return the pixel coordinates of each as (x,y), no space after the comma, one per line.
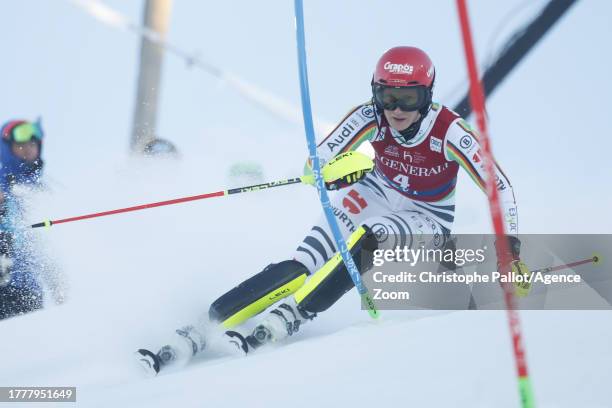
(478,105)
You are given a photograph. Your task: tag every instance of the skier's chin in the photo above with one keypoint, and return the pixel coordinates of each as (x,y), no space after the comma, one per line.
(401,124)
(400,120)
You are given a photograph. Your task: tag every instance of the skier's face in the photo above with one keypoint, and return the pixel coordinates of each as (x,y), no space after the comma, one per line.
(400,120)
(28,151)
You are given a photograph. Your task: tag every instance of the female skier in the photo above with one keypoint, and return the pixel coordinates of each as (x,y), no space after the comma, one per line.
(406,201)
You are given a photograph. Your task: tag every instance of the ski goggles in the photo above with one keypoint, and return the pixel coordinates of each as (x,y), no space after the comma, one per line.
(25,132)
(408,99)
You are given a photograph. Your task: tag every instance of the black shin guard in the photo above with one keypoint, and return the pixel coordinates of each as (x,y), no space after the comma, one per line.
(332,281)
(257,293)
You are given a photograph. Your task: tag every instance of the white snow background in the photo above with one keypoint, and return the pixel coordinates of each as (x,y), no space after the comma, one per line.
(133,278)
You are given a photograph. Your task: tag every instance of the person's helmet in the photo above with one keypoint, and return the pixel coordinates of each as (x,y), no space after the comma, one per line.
(404,78)
(21,131)
(12,168)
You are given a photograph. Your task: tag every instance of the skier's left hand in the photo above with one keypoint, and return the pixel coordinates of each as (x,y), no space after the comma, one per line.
(518,267)
(521,289)
(342,171)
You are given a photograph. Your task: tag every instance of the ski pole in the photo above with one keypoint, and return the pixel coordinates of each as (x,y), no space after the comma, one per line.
(595,259)
(222,193)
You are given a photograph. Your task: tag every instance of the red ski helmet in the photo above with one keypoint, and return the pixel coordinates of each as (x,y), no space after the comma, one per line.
(404,67)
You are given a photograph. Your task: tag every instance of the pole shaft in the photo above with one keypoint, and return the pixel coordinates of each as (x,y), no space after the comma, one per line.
(564,266)
(156,17)
(477,101)
(316,167)
(221,193)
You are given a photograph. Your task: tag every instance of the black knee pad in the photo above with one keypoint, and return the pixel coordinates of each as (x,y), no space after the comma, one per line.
(255,294)
(338,281)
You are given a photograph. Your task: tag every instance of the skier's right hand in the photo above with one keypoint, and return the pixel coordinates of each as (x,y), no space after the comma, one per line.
(343,170)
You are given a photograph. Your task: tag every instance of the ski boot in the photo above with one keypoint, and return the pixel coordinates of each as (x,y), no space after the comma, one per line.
(282,322)
(189,342)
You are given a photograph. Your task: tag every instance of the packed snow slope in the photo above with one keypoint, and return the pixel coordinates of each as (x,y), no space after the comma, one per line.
(132,278)
(459,359)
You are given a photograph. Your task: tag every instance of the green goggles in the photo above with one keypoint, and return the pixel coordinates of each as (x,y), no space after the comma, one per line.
(26,132)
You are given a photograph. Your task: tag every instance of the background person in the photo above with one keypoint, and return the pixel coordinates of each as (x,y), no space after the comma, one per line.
(21,165)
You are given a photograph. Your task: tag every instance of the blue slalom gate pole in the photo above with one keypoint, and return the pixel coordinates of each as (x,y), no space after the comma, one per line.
(316,165)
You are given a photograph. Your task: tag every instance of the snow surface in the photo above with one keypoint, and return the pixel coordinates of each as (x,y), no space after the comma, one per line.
(134,278)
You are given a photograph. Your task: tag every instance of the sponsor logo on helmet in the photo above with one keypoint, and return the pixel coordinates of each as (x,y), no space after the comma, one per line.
(430,71)
(398,68)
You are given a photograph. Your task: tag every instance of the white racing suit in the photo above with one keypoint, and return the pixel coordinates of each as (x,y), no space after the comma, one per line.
(409,196)
(406,201)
